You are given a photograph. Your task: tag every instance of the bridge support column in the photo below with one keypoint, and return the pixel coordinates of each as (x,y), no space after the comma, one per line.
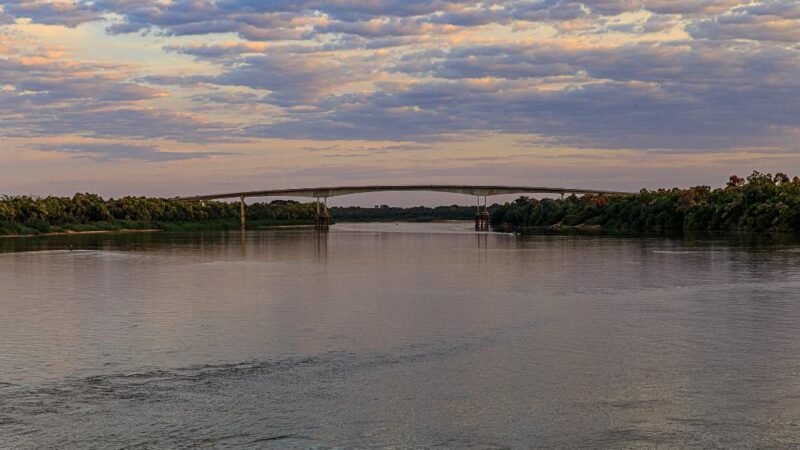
(323,218)
(482,219)
(241,212)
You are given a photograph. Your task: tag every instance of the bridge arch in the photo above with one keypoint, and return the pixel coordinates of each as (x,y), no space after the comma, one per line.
(323,193)
(336,191)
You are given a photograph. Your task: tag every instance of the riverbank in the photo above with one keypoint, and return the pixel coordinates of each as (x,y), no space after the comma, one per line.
(18,231)
(72,233)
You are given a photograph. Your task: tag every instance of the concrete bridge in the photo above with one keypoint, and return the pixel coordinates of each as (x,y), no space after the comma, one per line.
(321,194)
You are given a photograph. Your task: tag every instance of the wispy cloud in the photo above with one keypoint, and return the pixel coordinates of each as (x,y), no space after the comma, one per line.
(118,152)
(387,79)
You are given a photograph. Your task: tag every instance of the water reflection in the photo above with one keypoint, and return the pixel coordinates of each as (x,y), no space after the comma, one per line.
(322,245)
(414,335)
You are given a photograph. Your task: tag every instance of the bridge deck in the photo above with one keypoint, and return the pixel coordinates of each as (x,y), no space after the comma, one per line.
(325,192)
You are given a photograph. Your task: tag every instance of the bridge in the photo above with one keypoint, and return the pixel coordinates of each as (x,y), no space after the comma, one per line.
(321,194)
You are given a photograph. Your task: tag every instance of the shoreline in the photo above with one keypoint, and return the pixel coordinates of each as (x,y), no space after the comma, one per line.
(74,233)
(254,228)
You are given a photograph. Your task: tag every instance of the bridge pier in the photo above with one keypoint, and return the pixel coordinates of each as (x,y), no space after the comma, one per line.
(482,219)
(242,218)
(323,219)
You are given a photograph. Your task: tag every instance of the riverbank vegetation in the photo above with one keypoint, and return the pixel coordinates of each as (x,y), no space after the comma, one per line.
(758,203)
(26,215)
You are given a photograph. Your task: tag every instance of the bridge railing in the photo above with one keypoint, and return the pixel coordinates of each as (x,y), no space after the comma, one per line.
(479,191)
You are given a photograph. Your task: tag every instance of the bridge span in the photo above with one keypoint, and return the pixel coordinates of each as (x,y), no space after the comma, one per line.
(321,194)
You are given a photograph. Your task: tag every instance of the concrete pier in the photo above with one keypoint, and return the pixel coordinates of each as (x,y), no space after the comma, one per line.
(242,218)
(482,221)
(482,218)
(323,219)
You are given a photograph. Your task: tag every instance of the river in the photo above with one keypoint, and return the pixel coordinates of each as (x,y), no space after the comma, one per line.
(398,335)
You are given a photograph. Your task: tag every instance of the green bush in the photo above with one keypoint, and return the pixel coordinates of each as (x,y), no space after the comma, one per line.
(761,202)
(90,212)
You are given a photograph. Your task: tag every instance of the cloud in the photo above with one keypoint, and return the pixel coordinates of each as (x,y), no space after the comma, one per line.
(129,123)
(770,21)
(613,7)
(54,12)
(382,28)
(647,95)
(424,71)
(44,94)
(115,152)
(689,6)
(688,63)
(5,18)
(227,99)
(361,149)
(300,19)
(304,19)
(294,79)
(605,115)
(216,51)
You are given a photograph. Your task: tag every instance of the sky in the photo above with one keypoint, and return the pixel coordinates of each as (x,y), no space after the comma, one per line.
(161,97)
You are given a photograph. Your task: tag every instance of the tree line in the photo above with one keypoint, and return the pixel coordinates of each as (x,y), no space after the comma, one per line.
(87,212)
(758,203)
(91,212)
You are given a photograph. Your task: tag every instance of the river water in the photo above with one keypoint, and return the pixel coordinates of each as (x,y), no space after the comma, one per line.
(398,335)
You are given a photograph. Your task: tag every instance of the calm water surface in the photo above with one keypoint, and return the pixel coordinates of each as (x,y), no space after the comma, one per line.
(398,335)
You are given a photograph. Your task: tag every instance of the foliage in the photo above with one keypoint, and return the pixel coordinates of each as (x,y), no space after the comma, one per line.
(90,212)
(761,202)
